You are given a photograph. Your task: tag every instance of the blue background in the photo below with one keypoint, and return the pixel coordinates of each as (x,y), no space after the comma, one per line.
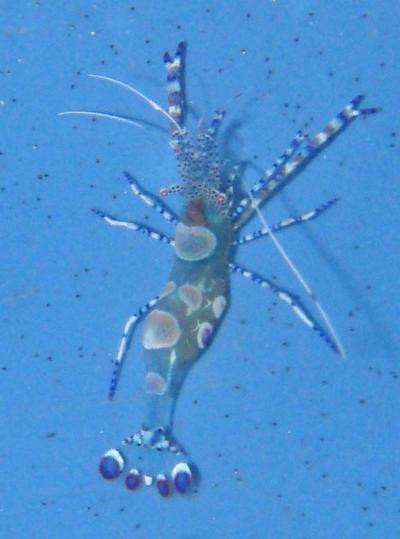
(291,441)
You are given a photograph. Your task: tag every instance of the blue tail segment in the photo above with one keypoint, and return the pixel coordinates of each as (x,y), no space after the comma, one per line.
(162,463)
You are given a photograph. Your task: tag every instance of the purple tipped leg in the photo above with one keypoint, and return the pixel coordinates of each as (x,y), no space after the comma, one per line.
(162,485)
(182,477)
(132,480)
(111,464)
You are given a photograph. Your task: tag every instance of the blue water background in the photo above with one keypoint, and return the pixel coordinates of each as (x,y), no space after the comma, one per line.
(291,442)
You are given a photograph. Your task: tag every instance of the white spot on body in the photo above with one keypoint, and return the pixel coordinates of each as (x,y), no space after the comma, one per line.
(194,242)
(155,384)
(218,306)
(161,330)
(191,296)
(204,335)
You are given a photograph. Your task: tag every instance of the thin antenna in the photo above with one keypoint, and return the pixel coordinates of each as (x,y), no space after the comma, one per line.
(300,278)
(102,115)
(155,106)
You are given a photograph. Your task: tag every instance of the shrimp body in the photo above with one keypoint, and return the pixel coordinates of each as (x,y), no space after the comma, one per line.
(181,321)
(182,324)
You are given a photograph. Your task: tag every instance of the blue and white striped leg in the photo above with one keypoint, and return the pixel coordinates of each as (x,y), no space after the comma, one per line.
(174,67)
(126,336)
(233,175)
(288,298)
(137,227)
(314,146)
(206,145)
(215,123)
(322,138)
(285,223)
(271,172)
(151,201)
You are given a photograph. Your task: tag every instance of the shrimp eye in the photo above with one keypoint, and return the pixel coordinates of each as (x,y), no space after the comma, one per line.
(220,198)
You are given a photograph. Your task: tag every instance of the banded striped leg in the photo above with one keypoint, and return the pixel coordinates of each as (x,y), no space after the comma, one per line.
(288,298)
(207,147)
(174,69)
(151,201)
(315,144)
(285,223)
(271,172)
(233,177)
(215,122)
(131,225)
(126,337)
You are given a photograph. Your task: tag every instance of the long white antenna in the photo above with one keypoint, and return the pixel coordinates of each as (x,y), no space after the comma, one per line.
(102,115)
(300,278)
(155,106)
